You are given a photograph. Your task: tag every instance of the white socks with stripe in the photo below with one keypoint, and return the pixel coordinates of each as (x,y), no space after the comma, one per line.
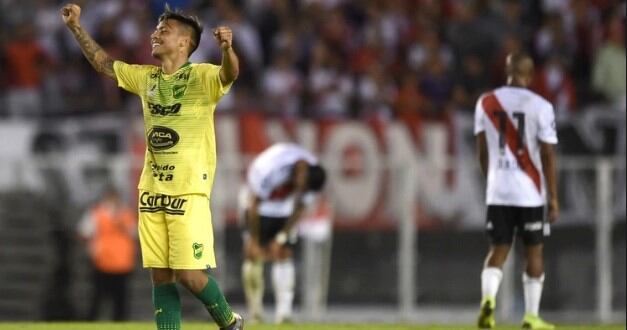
(283,278)
(533,292)
(491,278)
(252,278)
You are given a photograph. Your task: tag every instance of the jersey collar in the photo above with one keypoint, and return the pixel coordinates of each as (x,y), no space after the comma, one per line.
(168,76)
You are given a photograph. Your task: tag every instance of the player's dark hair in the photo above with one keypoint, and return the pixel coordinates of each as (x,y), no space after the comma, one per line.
(316,177)
(191,21)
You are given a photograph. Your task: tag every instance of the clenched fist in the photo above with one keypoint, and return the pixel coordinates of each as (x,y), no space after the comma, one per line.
(71,14)
(224,36)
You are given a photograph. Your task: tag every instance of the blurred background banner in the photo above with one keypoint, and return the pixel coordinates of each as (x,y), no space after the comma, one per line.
(382,91)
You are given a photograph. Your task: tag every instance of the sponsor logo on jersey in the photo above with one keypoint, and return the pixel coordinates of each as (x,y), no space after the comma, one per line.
(162,172)
(162,138)
(534,226)
(198,249)
(164,110)
(153,203)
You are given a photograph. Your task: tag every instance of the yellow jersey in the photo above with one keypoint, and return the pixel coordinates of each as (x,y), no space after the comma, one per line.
(178,113)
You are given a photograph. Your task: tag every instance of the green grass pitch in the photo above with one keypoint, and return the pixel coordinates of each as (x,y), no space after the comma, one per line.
(206,326)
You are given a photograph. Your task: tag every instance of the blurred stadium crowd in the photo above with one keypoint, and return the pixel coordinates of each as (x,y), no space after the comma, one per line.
(416,60)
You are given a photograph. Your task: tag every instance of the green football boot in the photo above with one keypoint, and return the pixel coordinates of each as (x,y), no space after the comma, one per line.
(486,314)
(531,322)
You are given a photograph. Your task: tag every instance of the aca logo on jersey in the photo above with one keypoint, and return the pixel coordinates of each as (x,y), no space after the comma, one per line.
(162,138)
(164,110)
(153,203)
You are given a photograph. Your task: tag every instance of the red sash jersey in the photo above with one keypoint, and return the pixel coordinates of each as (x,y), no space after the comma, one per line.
(515,120)
(268,176)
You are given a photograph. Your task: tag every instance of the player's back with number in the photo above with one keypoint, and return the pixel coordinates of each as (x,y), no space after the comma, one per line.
(515,120)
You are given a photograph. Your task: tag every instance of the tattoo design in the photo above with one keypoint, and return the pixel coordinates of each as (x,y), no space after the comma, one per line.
(98,58)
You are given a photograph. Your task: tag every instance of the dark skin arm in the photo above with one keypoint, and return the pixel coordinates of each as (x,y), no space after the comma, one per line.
(482,153)
(293,220)
(252,219)
(547,155)
(97,57)
(299,180)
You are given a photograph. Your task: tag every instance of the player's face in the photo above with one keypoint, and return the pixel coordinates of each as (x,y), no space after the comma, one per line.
(166,39)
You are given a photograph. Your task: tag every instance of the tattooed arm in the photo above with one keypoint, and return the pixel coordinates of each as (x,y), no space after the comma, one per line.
(99,59)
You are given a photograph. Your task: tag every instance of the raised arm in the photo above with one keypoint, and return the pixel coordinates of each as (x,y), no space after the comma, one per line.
(230,62)
(99,59)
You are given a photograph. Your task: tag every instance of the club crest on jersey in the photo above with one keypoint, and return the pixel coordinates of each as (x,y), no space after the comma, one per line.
(178,91)
(198,249)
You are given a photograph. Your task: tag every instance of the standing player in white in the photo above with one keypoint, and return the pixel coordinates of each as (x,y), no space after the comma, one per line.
(515,130)
(281,182)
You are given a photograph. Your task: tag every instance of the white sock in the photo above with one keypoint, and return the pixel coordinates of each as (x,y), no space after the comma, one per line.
(283,278)
(491,278)
(252,278)
(533,292)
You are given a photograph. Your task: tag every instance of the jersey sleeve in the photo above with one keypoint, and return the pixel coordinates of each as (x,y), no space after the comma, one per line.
(479,117)
(210,77)
(131,77)
(547,131)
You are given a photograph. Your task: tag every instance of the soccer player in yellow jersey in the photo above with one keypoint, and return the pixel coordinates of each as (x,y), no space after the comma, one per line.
(178,100)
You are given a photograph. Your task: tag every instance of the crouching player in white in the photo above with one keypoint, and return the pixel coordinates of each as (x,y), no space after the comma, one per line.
(281,182)
(515,131)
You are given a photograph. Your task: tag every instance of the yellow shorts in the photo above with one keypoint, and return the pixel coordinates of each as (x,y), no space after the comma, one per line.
(175,231)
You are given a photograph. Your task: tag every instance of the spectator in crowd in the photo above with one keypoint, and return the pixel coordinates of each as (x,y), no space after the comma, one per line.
(330,87)
(375,92)
(437,85)
(282,86)
(609,66)
(26,63)
(109,228)
(587,31)
(429,44)
(553,82)
(332,60)
(470,82)
(470,34)
(552,38)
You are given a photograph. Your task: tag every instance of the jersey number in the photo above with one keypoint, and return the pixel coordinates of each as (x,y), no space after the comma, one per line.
(520,119)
